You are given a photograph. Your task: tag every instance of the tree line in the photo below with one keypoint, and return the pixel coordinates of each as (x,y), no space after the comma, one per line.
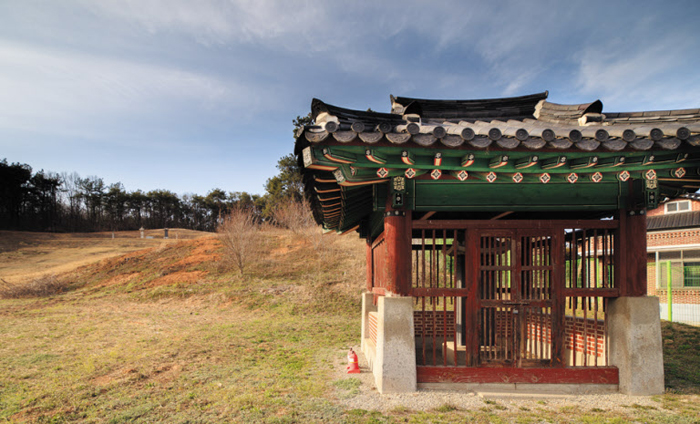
(67,202)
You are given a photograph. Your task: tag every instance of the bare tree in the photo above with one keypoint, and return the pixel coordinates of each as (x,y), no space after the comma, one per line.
(294,215)
(239,234)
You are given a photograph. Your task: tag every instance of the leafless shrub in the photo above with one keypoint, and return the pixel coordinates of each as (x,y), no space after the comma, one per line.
(46,285)
(296,216)
(239,234)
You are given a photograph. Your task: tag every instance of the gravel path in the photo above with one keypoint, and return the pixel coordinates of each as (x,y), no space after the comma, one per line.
(368,398)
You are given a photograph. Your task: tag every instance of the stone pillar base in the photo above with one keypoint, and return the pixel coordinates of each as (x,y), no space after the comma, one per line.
(634,331)
(394,364)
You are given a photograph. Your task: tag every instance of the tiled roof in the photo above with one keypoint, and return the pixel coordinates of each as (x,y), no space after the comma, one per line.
(654,117)
(511,140)
(567,114)
(469,110)
(528,122)
(671,221)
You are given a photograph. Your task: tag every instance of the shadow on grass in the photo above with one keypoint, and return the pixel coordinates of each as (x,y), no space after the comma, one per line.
(681,357)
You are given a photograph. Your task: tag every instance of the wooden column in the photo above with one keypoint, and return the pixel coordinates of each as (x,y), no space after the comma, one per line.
(370,266)
(558,297)
(472,255)
(397,236)
(631,254)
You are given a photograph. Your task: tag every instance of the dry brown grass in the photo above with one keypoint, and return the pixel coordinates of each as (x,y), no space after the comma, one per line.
(47,285)
(25,256)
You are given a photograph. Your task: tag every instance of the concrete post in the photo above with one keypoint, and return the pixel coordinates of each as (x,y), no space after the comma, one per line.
(395,366)
(634,331)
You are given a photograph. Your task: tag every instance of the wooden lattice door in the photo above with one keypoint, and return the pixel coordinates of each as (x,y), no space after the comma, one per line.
(514,302)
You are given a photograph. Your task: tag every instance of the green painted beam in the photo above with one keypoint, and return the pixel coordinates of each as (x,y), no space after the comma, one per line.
(444,196)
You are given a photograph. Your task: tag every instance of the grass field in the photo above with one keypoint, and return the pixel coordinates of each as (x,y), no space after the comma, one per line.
(171,332)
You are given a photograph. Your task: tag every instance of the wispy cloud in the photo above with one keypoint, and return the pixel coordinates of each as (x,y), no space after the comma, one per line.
(64,91)
(213,22)
(641,76)
(357,39)
(233,73)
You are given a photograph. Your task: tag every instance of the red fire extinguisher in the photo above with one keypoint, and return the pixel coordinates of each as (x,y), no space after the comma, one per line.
(353,367)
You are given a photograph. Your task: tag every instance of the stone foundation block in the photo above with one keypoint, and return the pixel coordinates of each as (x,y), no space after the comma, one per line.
(634,331)
(394,366)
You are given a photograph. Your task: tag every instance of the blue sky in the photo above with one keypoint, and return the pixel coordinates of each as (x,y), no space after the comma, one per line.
(192,95)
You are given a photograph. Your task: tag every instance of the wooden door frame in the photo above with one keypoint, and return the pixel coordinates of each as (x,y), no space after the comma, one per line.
(518,302)
(558,294)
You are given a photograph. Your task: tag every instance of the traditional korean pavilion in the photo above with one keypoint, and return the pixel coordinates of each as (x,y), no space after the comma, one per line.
(506,238)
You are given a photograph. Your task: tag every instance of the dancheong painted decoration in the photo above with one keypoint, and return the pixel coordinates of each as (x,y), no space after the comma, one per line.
(511,231)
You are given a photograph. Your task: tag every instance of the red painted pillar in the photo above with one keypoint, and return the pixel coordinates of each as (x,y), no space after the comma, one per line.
(472,242)
(558,298)
(370,266)
(631,253)
(397,236)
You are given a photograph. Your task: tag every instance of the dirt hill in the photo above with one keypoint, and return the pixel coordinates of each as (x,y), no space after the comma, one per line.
(25,256)
(188,263)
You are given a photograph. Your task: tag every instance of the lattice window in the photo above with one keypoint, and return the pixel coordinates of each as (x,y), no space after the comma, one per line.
(680,206)
(685,269)
(691,274)
(590,258)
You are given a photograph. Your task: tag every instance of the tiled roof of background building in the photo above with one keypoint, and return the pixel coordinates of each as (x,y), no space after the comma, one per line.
(674,221)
